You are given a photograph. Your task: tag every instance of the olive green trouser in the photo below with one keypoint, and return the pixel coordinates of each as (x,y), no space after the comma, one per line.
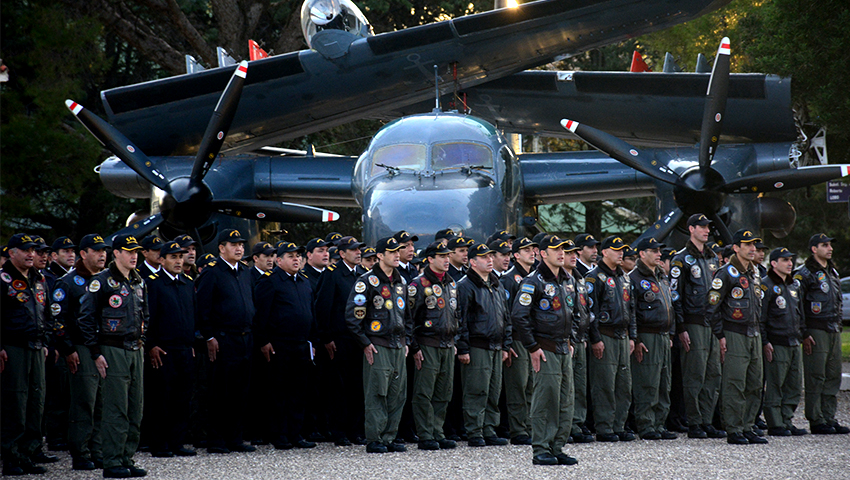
(823,377)
(651,383)
(580,387)
(742,382)
(700,375)
(518,387)
(123,402)
(482,384)
(384,392)
(552,404)
(611,388)
(784,385)
(21,402)
(86,408)
(432,390)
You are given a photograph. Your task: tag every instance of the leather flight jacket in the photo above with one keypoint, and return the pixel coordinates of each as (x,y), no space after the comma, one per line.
(545,311)
(376,310)
(27,322)
(820,290)
(433,305)
(581,318)
(691,273)
(485,319)
(65,306)
(611,304)
(781,311)
(734,300)
(114,311)
(653,300)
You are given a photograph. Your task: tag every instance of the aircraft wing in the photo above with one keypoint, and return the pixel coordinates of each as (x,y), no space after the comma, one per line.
(647,109)
(291,95)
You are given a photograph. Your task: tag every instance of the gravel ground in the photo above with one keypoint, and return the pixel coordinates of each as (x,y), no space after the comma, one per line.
(807,457)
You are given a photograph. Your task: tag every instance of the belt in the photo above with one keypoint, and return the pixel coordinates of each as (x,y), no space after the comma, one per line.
(608,331)
(659,330)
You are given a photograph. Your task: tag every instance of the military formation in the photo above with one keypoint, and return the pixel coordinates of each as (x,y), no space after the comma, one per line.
(148,345)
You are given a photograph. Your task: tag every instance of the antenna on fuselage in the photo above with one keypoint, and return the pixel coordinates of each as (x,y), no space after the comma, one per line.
(436,91)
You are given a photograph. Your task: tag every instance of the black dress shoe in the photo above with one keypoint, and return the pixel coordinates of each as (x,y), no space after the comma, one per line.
(399,440)
(758,431)
(607,437)
(136,471)
(564,459)
(218,450)
(798,431)
(316,437)
(521,440)
(778,432)
(585,430)
(81,463)
(650,436)
(116,472)
(242,447)
(476,442)
(454,437)
(284,445)
(259,441)
(98,463)
(752,437)
(305,444)
(411,438)
(713,432)
(40,457)
(582,438)
(429,445)
(342,442)
(396,447)
(761,424)
(33,469)
(823,429)
(737,439)
(667,435)
(626,436)
(162,454)
(376,447)
(185,452)
(200,444)
(695,431)
(10,470)
(446,444)
(840,429)
(495,441)
(359,440)
(545,459)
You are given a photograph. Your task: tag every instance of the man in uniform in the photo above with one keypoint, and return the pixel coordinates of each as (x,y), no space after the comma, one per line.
(501,256)
(150,252)
(629,260)
(781,326)
(285,327)
(318,259)
(341,354)
(26,326)
(376,315)
(458,258)
(171,296)
(655,318)
(225,313)
(820,291)
(113,320)
(502,236)
(406,254)
(517,372)
(547,313)
(432,300)
(484,341)
(612,337)
(263,254)
(368,259)
(84,414)
(63,256)
(444,236)
(408,271)
(191,246)
(691,272)
(734,307)
(587,254)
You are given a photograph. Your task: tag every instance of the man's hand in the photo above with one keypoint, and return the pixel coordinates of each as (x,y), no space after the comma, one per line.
(506,356)
(370,352)
(511,355)
(598,349)
(418,358)
(101,365)
(463,358)
(212,348)
(406,350)
(46,352)
(331,348)
(768,352)
(631,346)
(722,349)
(808,343)
(156,360)
(536,357)
(4,357)
(267,350)
(639,349)
(73,361)
(686,341)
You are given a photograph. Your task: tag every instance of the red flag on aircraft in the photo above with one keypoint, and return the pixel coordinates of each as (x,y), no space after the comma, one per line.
(638,65)
(256,52)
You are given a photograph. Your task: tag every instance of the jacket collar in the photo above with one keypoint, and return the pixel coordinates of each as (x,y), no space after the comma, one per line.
(645,270)
(737,264)
(81,270)
(132,277)
(814,266)
(432,277)
(376,270)
(602,266)
(476,279)
(547,274)
(705,253)
(778,280)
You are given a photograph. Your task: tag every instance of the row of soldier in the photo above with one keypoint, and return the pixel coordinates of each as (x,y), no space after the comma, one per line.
(450,315)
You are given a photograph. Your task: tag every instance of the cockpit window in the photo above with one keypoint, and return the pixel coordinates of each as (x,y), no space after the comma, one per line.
(406,157)
(457,155)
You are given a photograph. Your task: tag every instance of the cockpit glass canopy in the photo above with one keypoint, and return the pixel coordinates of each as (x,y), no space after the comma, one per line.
(404,156)
(317,15)
(456,155)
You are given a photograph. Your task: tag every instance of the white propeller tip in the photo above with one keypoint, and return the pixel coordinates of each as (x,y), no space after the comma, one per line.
(73,106)
(329,216)
(569,124)
(242,69)
(725,47)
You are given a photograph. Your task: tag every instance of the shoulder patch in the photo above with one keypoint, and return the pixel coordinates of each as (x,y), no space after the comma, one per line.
(267,273)
(152,277)
(94,286)
(188,276)
(527,288)
(677,263)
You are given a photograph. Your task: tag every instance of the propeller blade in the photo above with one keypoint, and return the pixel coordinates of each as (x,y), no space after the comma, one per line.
(786,179)
(118,144)
(220,122)
(622,152)
(270,211)
(662,227)
(715,106)
(138,229)
(196,235)
(722,229)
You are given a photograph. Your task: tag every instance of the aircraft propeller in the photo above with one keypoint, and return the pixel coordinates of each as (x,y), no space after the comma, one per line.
(188,202)
(702,189)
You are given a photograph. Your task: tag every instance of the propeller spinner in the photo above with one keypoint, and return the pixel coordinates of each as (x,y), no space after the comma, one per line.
(188,202)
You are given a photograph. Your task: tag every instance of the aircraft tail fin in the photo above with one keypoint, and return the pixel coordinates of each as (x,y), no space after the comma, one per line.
(255,51)
(638,64)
